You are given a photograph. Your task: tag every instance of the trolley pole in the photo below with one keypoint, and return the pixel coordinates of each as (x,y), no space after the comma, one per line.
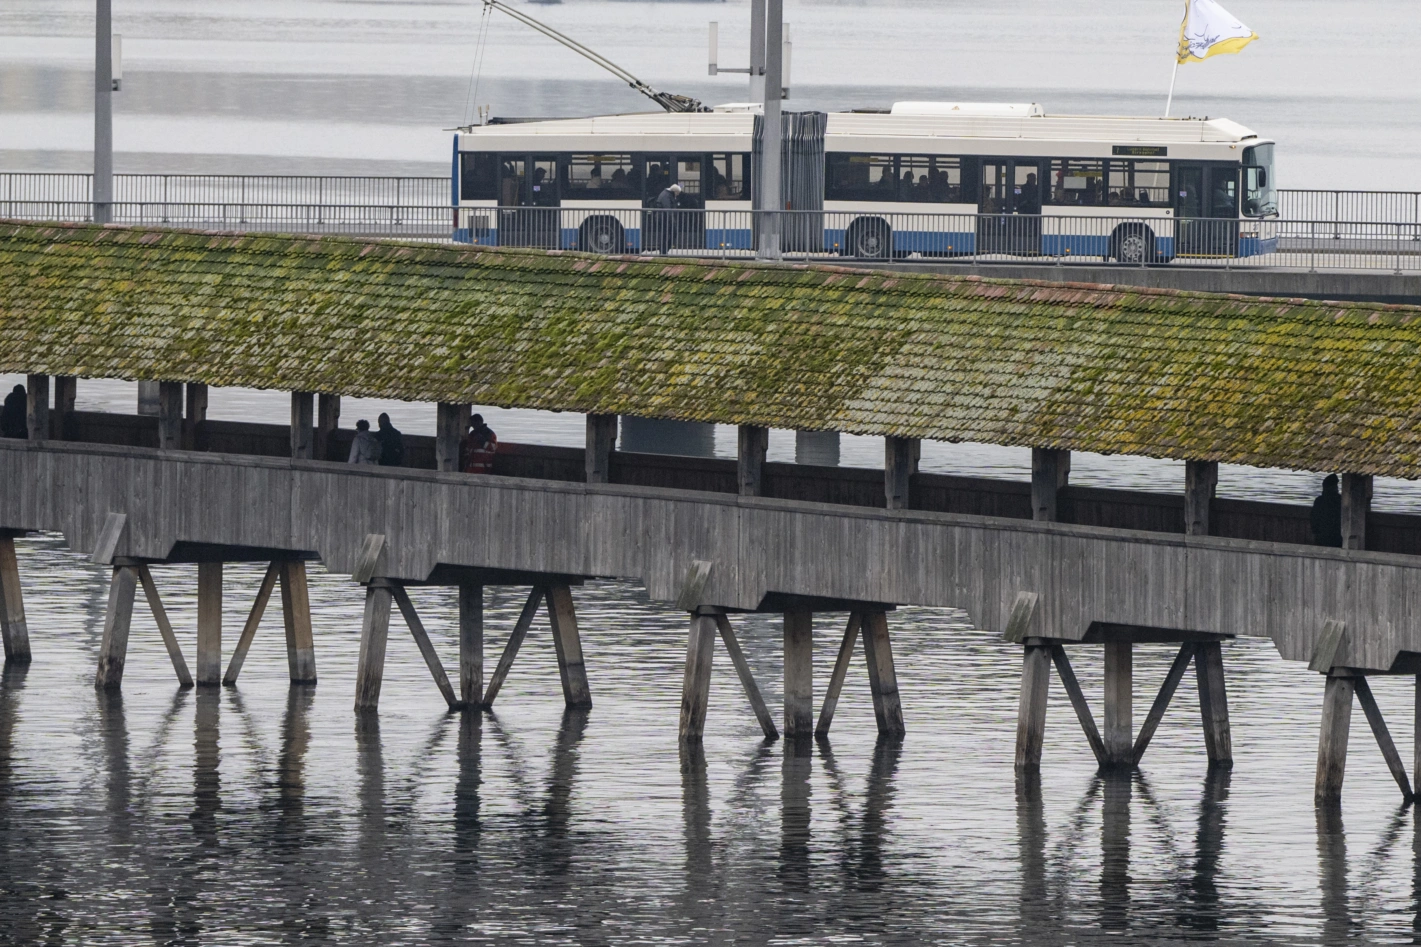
(103,113)
(771,195)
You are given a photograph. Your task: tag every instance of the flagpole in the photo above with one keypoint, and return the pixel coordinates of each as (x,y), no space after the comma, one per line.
(1172,76)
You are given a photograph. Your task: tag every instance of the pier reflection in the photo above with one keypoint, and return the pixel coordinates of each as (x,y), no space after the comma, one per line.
(467,826)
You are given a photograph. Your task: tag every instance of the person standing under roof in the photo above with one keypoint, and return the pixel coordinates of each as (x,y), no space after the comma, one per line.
(479,447)
(366,448)
(1327,515)
(13,420)
(392,443)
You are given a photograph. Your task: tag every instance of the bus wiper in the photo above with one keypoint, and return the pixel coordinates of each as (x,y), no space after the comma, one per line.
(670,101)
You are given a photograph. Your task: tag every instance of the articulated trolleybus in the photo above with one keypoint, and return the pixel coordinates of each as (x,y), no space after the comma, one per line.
(923,179)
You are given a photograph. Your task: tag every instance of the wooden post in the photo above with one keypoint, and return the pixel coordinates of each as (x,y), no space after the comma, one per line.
(836,679)
(601,443)
(303,425)
(1214,703)
(695,688)
(882,676)
(249,629)
(113,648)
(569,647)
(753,442)
(1201,480)
(327,422)
(296,615)
(471,643)
(170,415)
(1031,709)
(66,391)
(900,463)
(1383,736)
(14,630)
(165,627)
(450,423)
(799,673)
(515,641)
(1119,722)
(37,406)
(1332,738)
(209,623)
(374,632)
(194,414)
(747,680)
(426,647)
(1356,504)
(1050,471)
(1161,704)
(1078,702)
(1416,761)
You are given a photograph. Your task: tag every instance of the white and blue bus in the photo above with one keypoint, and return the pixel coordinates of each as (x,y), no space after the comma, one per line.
(920,179)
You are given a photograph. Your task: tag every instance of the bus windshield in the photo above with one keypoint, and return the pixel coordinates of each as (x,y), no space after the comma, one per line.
(1260,196)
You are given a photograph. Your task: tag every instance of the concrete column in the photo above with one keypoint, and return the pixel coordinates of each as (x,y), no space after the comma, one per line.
(601,443)
(296,614)
(900,462)
(113,647)
(754,441)
(1201,479)
(799,673)
(66,390)
(1031,710)
(1214,703)
(148,398)
(194,413)
(471,644)
(37,407)
(1356,504)
(14,630)
(451,421)
(816,448)
(882,675)
(374,632)
(303,425)
(695,689)
(1050,471)
(1332,739)
(1119,737)
(170,415)
(327,421)
(209,623)
(568,644)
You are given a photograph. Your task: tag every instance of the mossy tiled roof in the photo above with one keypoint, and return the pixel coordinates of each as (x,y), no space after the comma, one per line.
(1288,383)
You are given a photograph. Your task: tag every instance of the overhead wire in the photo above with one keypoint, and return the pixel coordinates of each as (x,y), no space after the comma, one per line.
(476,72)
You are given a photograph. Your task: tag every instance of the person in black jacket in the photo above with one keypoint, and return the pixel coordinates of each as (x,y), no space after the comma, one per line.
(665,203)
(1327,515)
(13,422)
(392,443)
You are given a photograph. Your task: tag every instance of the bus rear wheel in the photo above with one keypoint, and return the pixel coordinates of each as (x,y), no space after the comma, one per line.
(1133,243)
(601,235)
(869,238)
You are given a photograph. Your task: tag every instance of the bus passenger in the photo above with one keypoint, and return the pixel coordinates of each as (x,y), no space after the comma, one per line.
(1029,201)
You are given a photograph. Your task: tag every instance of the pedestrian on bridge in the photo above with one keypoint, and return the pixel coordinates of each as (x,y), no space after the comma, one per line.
(365,449)
(12,417)
(666,203)
(479,447)
(392,443)
(1327,515)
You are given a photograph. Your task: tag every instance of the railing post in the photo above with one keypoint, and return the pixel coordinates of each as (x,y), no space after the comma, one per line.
(753,441)
(1356,504)
(170,415)
(37,407)
(1201,479)
(1050,472)
(900,463)
(303,424)
(601,443)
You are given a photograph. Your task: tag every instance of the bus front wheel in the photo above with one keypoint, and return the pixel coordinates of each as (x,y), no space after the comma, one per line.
(1133,243)
(601,235)
(868,239)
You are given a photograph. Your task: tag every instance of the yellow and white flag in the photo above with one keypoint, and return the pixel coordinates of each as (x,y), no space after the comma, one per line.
(1209,30)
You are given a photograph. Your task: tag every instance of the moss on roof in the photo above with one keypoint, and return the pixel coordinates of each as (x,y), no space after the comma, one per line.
(1268,382)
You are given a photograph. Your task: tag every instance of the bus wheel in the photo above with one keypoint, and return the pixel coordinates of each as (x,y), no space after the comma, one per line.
(601,235)
(1133,243)
(869,238)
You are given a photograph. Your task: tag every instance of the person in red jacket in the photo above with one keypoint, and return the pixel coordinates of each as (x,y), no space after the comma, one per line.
(479,446)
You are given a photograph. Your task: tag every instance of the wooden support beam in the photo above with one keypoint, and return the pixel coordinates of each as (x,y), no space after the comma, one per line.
(249,629)
(1050,472)
(296,616)
(118,617)
(882,675)
(841,670)
(601,444)
(327,423)
(1201,480)
(1119,697)
(1356,504)
(194,413)
(1379,730)
(900,463)
(209,623)
(14,629)
(747,680)
(1332,738)
(799,673)
(37,406)
(568,643)
(1416,756)
(170,416)
(1214,702)
(471,644)
(695,688)
(515,641)
(303,425)
(165,627)
(1078,702)
(752,443)
(66,392)
(426,647)
(374,633)
(1031,710)
(1161,704)
(451,422)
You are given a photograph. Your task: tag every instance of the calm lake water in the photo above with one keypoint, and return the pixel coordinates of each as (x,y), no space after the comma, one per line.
(269,814)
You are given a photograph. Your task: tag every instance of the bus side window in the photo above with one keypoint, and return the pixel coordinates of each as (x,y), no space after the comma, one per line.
(860,178)
(478,176)
(688,175)
(1139,184)
(1076,182)
(599,177)
(729,178)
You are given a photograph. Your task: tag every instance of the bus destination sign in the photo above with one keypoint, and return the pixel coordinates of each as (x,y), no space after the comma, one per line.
(1139,151)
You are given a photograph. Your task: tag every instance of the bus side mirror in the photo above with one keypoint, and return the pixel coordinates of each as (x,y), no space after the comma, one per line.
(1261,176)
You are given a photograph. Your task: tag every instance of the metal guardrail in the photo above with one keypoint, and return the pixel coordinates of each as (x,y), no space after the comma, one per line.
(807,235)
(1391,207)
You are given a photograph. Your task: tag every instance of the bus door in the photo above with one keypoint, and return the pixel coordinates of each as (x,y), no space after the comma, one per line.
(528,202)
(1206,209)
(683,227)
(1009,207)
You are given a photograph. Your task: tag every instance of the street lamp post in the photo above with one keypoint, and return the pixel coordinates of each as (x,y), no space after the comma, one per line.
(103,113)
